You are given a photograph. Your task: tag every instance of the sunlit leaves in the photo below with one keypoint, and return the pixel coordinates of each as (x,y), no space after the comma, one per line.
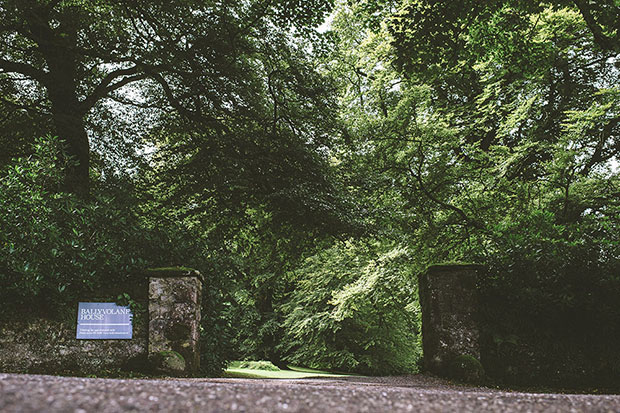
(353,309)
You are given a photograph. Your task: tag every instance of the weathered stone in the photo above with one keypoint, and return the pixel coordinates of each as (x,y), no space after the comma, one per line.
(449,302)
(38,345)
(49,346)
(174,326)
(170,362)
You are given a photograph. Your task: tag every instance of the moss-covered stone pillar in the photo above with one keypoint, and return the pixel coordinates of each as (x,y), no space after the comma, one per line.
(450,330)
(174,320)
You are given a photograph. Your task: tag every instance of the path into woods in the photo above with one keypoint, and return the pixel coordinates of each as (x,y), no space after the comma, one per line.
(32,393)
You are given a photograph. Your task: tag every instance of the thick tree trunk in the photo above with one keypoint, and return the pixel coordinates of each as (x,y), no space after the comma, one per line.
(68,117)
(58,49)
(69,125)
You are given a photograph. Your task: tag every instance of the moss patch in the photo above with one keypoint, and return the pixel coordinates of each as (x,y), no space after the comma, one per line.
(169,362)
(466,368)
(165,272)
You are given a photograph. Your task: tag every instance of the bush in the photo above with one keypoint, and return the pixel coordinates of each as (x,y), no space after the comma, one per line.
(354,309)
(57,247)
(550,302)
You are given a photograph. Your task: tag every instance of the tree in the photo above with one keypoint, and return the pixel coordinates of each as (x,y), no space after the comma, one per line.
(260,184)
(353,308)
(66,57)
(495,140)
(465,109)
(21,125)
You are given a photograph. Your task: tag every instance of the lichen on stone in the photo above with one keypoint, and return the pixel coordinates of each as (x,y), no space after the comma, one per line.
(170,362)
(174,320)
(449,304)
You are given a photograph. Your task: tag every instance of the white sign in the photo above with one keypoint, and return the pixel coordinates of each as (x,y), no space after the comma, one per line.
(104,321)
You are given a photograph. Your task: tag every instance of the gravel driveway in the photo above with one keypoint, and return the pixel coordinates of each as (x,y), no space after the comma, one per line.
(33,393)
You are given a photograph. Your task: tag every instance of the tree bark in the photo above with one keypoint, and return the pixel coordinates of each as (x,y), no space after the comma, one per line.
(608,43)
(69,125)
(57,46)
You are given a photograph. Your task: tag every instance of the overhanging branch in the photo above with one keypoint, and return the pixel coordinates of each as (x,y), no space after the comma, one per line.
(106,86)
(604,41)
(24,69)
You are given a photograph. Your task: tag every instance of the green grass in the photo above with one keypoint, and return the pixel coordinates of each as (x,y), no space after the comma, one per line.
(295,373)
(253,365)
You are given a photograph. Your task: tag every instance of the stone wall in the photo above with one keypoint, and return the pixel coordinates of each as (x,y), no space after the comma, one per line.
(450,328)
(169,321)
(50,346)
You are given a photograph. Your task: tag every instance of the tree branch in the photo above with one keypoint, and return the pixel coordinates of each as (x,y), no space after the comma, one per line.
(134,104)
(105,87)
(178,106)
(441,203)
(24,69)
(604,42)
(29,108)
(598,156)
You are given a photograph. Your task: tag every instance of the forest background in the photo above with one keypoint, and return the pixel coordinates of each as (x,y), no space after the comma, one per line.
(310,158)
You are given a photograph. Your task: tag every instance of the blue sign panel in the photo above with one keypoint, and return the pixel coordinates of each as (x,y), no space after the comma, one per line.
(104,321)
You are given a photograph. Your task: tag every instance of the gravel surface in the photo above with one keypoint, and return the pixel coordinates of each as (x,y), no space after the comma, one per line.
(33,393)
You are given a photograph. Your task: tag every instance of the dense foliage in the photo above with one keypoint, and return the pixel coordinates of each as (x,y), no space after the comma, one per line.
(49,236)
(310,174)
(494,127)
(550,295)
(354,308)
(58,249)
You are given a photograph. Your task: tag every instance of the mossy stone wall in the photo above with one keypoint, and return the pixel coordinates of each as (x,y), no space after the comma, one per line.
(165,337)
(49,347)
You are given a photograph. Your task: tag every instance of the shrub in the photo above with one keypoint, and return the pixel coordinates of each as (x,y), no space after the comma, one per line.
(56,247)
(256,365)
(550,301)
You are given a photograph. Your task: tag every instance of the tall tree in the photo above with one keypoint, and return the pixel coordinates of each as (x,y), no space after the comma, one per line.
(67,56)
(495,109)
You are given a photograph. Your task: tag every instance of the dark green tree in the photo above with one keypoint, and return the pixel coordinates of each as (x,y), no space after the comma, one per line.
(259,183)
(67,57)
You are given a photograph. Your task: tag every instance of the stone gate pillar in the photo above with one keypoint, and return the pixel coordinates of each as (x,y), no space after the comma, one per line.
(449,302)
(175,298)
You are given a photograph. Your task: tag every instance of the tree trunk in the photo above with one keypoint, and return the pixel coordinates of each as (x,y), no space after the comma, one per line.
(69,125)
(58,49)
(271,339)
